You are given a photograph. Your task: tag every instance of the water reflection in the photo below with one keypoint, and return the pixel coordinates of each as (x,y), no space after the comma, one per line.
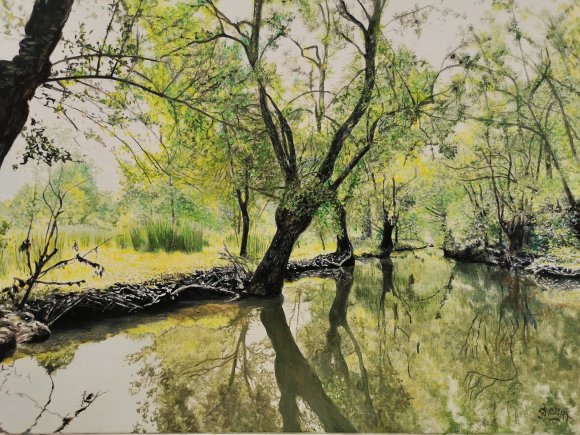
(295,377)
(408,345)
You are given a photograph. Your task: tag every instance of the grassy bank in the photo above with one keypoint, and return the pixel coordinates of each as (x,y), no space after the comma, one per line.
(141,254)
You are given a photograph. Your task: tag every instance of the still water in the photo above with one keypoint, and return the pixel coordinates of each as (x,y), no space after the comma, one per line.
(419,344)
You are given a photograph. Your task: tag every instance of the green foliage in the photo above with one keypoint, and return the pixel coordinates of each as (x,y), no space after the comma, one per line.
(257,243)
(41,148)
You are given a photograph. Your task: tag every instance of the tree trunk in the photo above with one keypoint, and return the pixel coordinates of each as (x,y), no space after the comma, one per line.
(517,232)
(268,279)
(343,244)
(387,245)
(245,232)
(20,77)
(243,203)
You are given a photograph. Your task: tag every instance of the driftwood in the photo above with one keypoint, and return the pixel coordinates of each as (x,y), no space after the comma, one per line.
(121,299)
(399,249)
(335,260)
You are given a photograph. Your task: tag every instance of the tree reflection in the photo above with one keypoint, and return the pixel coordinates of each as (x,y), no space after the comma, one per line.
(296,378)
(206,378)
(46,416)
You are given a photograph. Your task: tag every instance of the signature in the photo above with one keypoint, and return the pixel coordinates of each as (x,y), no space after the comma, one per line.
(554,414)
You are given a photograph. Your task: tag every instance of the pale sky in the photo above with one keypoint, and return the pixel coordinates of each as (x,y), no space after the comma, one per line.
(439,36)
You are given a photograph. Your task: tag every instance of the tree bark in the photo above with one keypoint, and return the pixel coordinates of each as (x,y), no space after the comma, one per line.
(389,224)
(343,243)
(517,232)
(268,279)
(243,203)
(20,77)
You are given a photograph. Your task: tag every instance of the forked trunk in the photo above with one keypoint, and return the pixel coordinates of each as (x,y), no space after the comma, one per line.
(268,279)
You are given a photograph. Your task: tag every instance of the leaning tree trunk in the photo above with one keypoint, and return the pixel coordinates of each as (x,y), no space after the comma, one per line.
(268,279)
(387,245)
(20,77)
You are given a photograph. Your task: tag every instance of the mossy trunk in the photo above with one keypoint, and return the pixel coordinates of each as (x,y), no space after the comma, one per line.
(268,278)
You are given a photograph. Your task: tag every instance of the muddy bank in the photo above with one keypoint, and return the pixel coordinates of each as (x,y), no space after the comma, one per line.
(219,283)
(123,299)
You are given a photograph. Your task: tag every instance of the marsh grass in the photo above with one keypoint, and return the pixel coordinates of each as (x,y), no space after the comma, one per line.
(162,235)
(257,244)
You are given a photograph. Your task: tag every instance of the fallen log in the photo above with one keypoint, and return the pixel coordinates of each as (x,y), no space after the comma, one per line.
(381,255)
(334,260)
(220,283)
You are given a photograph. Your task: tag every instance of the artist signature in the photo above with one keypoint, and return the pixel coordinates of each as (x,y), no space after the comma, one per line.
(554,414)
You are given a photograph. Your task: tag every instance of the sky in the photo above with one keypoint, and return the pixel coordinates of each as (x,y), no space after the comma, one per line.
(439,36)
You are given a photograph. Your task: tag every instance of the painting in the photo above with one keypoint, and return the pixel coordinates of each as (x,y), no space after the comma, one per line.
(263,216)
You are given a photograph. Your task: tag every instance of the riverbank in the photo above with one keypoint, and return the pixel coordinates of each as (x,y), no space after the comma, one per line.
(221,283)
(224,283)
(542,267)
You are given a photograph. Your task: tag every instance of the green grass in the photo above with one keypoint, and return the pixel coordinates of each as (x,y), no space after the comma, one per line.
(257,244)
(162,235)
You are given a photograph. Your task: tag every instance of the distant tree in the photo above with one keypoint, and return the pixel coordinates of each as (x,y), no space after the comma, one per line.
(41,249)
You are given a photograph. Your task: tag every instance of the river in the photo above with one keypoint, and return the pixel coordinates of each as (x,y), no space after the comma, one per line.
(419,344)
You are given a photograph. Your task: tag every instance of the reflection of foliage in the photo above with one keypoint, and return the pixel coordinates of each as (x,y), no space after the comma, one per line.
(58,358)
(480,352)
(213,382)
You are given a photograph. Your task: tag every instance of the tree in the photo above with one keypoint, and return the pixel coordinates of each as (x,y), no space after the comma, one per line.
(20,77)
(41,250)
(524,108)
